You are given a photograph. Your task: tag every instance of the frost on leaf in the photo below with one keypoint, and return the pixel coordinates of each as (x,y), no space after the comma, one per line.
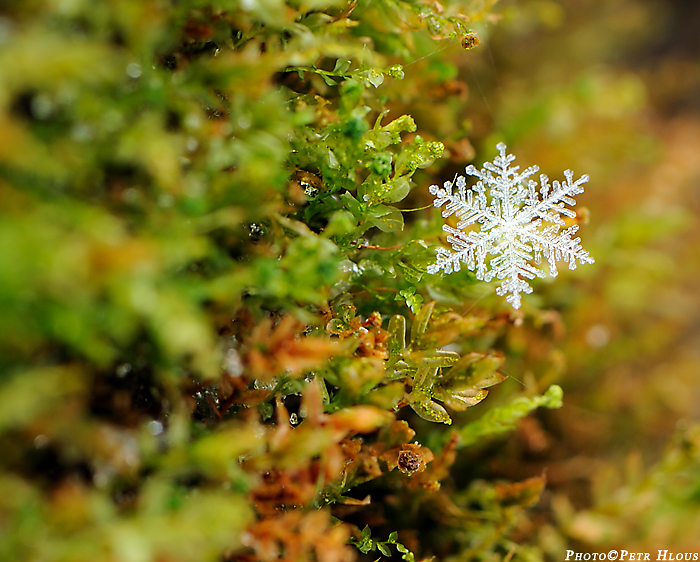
(518,225)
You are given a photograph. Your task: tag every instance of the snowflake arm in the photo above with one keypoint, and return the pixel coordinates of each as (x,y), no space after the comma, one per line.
(553,203)
(469,206)
(518,225)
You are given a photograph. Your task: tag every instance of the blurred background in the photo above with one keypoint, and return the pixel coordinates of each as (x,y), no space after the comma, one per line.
(612,89)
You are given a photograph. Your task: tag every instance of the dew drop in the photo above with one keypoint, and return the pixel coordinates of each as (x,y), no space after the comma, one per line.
(598,336)
(233,364)
(244,122)
(42,106)
(155,427)
(123,369)
(133,70)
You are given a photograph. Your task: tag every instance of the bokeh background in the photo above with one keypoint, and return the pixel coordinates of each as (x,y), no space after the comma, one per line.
(612,89)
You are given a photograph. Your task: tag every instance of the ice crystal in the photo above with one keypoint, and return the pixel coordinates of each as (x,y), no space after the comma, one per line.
(517,225)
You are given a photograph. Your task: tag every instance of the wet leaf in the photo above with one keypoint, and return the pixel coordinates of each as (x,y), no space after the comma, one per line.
(397,339)
(420,322)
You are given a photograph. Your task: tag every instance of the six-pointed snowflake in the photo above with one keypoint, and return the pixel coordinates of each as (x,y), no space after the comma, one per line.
(517,225)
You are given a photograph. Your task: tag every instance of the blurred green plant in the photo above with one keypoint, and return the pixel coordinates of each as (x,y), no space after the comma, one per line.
(366,544)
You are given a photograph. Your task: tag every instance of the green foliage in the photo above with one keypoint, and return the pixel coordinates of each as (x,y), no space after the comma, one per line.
(498,420)
(366,544)
(460,387)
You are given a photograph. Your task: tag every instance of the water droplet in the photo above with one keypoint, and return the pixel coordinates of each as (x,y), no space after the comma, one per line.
(155,427)
(193,121)
(294,419)
(101,478)
(123,369)
(133,70)
(82,132)
(130,457)
(130,195)
(233,364)
(244,122)
(41,106)
(262,385)
(597,336)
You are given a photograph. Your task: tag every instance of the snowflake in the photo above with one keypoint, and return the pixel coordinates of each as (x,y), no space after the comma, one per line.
(517,225)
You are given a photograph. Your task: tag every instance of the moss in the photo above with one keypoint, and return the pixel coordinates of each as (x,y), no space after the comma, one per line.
(218,337)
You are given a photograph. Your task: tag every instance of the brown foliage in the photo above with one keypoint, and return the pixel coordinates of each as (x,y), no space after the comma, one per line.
(275,349)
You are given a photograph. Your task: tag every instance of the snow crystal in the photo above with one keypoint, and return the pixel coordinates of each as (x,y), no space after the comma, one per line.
(518,225)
